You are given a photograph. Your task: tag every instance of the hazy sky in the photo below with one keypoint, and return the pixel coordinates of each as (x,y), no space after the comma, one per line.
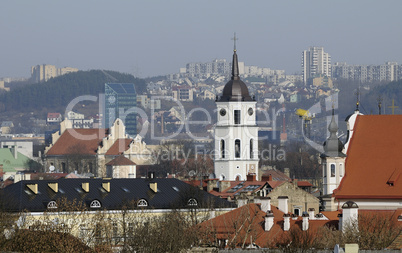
(148,38)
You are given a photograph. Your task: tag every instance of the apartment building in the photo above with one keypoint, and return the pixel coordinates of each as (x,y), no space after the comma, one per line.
(315,62)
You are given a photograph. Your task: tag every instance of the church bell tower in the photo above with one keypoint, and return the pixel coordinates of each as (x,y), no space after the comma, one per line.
(333,160)
(236,131)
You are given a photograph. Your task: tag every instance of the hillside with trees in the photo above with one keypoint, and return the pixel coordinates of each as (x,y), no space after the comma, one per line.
(58,92)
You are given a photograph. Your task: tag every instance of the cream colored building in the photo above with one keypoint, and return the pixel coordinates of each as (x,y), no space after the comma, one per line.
(42,73)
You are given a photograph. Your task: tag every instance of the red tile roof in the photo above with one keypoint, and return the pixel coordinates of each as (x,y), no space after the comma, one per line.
(247,223)
(120,160)
(119,147)
(78,141)
(373,164)
(304,183)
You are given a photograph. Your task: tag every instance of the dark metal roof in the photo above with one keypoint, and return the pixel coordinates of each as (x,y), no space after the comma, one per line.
(172,193)
(333,146)
(235,89)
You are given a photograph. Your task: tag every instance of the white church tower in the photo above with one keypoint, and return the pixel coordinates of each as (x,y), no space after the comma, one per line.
(333,160)
(236,131)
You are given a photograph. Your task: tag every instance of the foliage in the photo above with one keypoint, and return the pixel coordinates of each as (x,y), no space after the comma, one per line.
(58,92)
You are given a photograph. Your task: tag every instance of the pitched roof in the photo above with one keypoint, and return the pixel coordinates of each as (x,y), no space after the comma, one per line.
(120,160)
(78,141)
(276,175)
(246,223)
(171,193)
(119,146)
(10,163)
(373,167)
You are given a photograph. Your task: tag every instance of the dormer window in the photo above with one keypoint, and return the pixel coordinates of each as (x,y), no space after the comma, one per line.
(52,205)
(142,203)
(192,202)
(95,204)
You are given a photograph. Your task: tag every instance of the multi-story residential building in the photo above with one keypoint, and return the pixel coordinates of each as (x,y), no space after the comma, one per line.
(120,101)
(183,93)
(390,71)
(42,73)
(315,62)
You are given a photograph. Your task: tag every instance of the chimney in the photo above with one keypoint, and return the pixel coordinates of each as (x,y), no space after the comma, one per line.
(211,184)
(251,177)
(223,185)
(349,215)
(241,200)
(265,203)
(266,177)
(286,222)
(153,186)
(15,152)
(269,221)
(283,204)
(305,221)
(286,171)
(311,213)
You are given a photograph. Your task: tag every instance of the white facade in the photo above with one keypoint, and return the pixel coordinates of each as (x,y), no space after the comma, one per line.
(236,140)
(333,171)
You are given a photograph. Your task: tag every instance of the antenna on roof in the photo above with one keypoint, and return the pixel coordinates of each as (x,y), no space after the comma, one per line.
(357,93)
(379,100)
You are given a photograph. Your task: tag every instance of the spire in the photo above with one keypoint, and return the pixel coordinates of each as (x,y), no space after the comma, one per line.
(235,62)
(333,146)
(333,127)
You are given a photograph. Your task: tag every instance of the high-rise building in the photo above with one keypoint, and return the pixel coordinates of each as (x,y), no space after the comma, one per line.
(315,62)
(390,71)
(42,73)
(121,102)
(236,131)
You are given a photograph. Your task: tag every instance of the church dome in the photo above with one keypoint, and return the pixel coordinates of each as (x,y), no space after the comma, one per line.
(235,89)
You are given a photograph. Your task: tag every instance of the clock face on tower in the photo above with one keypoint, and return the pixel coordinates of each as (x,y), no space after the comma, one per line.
(250,111)
(222,112)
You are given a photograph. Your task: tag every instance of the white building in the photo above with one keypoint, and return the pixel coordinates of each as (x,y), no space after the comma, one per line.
(236,131)
(315,62)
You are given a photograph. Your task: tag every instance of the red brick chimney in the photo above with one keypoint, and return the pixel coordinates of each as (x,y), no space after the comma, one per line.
(251,177)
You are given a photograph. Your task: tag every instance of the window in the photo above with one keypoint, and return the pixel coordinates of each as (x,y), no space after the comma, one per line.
(142,203)
(52,205)
(341,170)
(251,149)
(222,148)
(95,204)
(237,117)
(296,211)
(237,148)
(324,169)
(332,170)
(192,202)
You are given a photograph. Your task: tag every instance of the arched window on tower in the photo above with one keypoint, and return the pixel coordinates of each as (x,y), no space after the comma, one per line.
(237,148)
(222,148)
(251,149)
(332,170)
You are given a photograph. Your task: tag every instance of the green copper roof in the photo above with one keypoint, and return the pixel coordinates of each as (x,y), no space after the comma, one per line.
(10,163)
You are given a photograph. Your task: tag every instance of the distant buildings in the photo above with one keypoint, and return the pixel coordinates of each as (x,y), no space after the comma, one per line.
(315,62)
(120,98)
(390,71)
(42,73)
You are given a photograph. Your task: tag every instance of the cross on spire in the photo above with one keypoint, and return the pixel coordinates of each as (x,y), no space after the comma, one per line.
(234,41)
(393,106)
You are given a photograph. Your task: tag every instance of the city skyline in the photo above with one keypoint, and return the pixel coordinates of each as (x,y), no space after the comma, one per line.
(157,38)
